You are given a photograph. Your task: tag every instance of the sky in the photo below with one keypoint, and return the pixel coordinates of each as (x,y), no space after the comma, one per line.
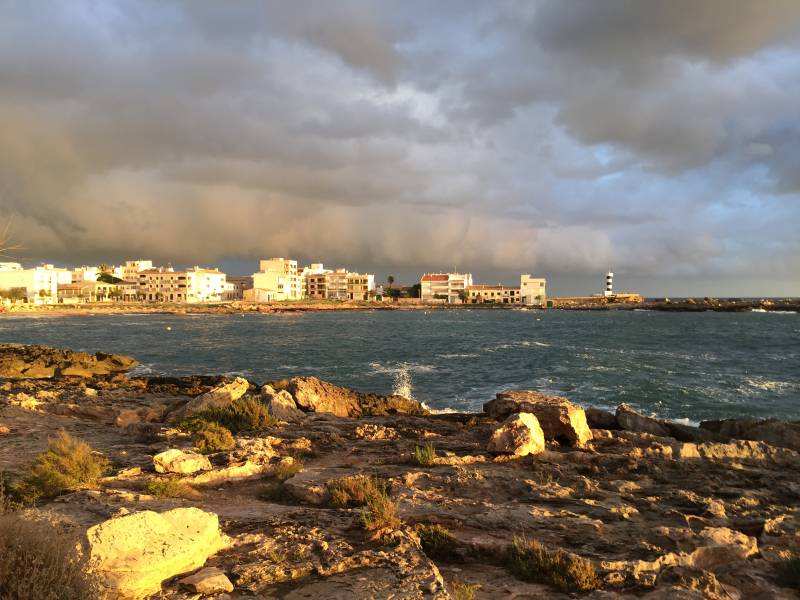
(560,138)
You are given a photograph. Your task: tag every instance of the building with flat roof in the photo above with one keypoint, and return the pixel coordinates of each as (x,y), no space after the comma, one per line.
(37,285)
(447,287)
(193,285)
(277,279)
(533,290)
(494,294)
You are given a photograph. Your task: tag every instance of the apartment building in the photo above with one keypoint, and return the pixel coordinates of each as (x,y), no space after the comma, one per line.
(237,286)
(533,290)
(360,286)
(447,287)
(37,284)
(314,280)
(191,286)
(497,294)
(277,279)
(130,269)
(336,285)
(84,273)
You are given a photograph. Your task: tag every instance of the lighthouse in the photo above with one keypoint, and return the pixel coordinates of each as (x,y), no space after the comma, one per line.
(609,291)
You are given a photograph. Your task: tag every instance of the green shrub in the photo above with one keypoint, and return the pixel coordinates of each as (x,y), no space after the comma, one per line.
(437,542)
(242,415)
(38,564)
(463,590)
(425,456)
(67,464)
(529,560)
(170,488)
(355,490)
(213,437)
(789,573)
(380,512)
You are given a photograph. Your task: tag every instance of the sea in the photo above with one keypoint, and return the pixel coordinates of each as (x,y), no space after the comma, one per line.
(681,366)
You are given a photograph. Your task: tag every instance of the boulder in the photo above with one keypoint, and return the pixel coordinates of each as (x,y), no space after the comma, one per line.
(219,397)
(314,395)
(519,435)
(630,420)
(601,419)
(772,431)
(210,580)
(20,361)
(559,418)
(180,461)
(311,394)
(722,546)
(4,429)
(134,553)
(281,405)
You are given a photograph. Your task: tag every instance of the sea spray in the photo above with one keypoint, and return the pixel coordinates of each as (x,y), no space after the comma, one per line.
(402,383)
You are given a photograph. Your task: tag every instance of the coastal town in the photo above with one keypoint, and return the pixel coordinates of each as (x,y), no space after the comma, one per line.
(277,280)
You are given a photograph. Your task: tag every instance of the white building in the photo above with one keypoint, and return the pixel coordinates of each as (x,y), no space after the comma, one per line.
(533,291)
(85,273)
(447,287)
(277,279)
(192,286)
(38,284)
(129,271)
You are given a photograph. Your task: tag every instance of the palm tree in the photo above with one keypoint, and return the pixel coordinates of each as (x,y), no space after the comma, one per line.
(390,280)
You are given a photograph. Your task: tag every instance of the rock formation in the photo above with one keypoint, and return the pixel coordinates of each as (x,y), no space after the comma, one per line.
(18,361)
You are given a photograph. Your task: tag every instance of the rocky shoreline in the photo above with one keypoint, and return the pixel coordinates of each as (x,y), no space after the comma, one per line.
(298,488)
(235,308)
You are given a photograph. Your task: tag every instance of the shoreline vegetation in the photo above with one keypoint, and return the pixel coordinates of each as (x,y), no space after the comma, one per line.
(298,488)
(239,307)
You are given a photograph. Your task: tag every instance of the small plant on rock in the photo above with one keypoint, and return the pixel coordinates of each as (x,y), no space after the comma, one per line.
(67,464)
(213,437)
(355,490)
(529,560)
(242,415)
(37,563)
(286,470)
(170,488)
(425,456)
(437,542)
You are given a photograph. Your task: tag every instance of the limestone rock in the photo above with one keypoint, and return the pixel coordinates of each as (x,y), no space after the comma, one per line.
(180,461)
(313,394)
(772,431)
(25,401)
(134,553)
(281,405)
(519,435)
(722,546)
(210,580)
(19,361)
(559,418)
(219,397)
(601,419)
(630,420)
(4,429)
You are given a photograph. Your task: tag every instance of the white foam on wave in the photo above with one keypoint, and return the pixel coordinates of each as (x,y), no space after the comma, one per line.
(764,384)
(458,355)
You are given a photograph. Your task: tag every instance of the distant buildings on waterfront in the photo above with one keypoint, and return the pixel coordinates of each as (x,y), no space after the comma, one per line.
(277,280)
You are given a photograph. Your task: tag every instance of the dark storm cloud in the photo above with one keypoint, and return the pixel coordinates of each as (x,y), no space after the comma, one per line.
(660,137)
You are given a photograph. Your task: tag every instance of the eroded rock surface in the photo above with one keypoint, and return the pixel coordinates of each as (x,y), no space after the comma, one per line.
(19,361)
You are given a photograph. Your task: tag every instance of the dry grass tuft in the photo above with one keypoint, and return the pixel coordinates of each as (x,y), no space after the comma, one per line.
(531,561)
(286,470)
(464,591)
(355,490)
(67,464)
(380,512)
(36,564)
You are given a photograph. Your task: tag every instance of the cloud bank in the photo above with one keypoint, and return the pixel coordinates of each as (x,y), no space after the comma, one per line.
(660,138)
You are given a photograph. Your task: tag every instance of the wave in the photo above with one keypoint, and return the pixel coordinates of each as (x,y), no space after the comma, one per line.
(764,384)
(458,355)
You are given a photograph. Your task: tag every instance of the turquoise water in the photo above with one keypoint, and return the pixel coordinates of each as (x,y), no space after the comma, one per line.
(677,365)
